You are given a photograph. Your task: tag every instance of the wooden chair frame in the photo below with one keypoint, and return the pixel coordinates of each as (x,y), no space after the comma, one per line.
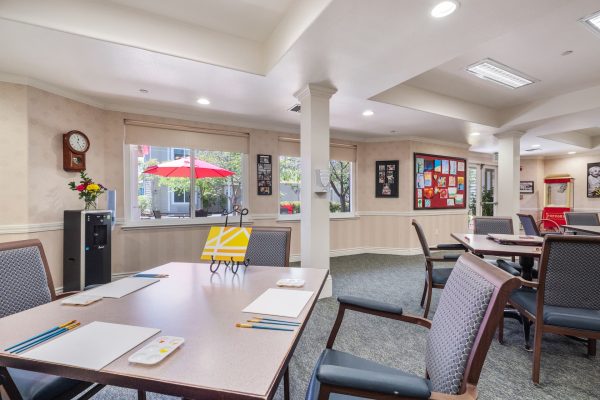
(429,260)
(540,326)
(504,284)
(285,229)
(9,385)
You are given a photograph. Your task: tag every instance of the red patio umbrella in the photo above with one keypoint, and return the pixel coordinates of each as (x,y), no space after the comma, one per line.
(181,169)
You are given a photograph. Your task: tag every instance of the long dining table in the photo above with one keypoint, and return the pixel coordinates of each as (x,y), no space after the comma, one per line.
(217,360)
(483,245)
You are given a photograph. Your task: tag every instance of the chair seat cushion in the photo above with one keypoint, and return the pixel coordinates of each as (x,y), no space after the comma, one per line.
(37,386)
(575,318)
(451,257)
(507,266)
(343,369)
(449,246)
(440,275)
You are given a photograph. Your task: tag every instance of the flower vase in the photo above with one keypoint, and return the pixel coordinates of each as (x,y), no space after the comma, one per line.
(90,205)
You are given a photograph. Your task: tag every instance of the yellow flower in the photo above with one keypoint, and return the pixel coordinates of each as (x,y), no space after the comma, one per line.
(92,187)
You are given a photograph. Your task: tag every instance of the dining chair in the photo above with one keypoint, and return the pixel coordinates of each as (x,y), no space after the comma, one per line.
(499,225)
(582,218)
(566,298)
(269,246)
(532,228)
(25,282)
(459,338)
(435,278)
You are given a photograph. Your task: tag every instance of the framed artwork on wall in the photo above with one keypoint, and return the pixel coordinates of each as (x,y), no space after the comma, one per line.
(386,178)
(526,187)
(593,180)
(440,182)
(264,175)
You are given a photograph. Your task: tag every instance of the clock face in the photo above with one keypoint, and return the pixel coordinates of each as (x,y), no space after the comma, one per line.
(78,142)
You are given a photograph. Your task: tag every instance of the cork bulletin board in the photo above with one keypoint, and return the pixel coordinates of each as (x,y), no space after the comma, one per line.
(440,182)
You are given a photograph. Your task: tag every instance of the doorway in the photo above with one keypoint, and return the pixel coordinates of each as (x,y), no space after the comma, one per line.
(482,180)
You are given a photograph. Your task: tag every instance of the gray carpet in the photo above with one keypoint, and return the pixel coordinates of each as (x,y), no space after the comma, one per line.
(567,373)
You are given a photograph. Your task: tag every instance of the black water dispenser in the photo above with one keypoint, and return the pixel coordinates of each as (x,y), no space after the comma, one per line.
(87,249)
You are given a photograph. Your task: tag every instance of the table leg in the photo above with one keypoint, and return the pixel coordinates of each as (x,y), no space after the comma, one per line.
(527,266)
(286,383)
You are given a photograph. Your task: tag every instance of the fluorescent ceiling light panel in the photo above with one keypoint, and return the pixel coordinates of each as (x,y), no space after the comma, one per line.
(491,70)
(592,22)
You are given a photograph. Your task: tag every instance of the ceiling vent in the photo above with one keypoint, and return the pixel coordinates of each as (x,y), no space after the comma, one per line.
(295,108)
(592,22)
(534,149)
(501,74)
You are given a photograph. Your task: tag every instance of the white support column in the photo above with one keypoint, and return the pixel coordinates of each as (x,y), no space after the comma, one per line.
(509,165)
(314,155)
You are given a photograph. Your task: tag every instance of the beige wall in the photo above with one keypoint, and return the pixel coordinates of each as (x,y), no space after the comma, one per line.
(35,192)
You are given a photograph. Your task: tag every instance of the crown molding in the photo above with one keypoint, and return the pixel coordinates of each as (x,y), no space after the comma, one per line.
(315,90)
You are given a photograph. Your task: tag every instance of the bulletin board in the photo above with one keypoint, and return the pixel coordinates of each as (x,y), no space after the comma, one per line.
(440,182)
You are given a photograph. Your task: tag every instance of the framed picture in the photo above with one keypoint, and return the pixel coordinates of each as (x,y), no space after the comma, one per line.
(593,180)
(526,187)
(264,175)
(440,182)
(386,178)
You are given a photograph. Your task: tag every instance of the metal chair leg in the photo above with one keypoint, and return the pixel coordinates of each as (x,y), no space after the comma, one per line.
(527,333)
(592,347)
(286,383)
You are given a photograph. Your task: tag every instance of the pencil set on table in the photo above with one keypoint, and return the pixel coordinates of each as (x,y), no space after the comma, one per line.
(280,325)
(42,337)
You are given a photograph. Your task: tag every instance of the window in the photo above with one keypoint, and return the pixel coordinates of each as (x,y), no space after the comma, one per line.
(289,185)
(163,182)
(340,192)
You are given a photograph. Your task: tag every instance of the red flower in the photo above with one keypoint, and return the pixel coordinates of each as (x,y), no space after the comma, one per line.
(80,188)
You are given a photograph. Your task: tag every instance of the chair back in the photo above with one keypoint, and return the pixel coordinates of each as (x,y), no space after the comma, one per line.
(580,218)
(270,246)
(463,327)
(422,238)
(529,225)
(568,273)
(487,225)
(25,280)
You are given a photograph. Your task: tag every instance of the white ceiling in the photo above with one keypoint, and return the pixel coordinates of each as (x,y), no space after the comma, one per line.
(367,50)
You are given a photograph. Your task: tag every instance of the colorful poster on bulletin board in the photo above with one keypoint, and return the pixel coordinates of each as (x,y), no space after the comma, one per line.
(440,182)
(226,243)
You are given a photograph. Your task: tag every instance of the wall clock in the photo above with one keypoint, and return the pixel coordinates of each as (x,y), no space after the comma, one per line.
(75,145)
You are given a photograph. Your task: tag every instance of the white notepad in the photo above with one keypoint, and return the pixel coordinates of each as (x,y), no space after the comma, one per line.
(92,346)
(280,302)
(122,287)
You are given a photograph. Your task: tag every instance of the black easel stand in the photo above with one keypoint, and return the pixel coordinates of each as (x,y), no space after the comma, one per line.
(235,265)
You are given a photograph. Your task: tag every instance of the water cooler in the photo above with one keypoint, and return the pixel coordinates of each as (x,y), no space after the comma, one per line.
(86,249)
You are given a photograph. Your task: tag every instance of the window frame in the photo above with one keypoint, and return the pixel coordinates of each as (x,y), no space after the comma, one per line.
(130,171)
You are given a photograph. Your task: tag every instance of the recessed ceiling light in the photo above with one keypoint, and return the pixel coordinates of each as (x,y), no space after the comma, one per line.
(535,146)
(444,8)
(144,90)
(572,152)
(491,70)
(368,113)
(203,101)
(592,21)
(475,133)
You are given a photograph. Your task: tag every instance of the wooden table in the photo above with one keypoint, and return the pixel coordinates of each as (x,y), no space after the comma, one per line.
(588,229)
(481,244)
(217,360)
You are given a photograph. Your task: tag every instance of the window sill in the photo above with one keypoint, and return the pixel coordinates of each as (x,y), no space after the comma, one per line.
(335,216)
(181,222)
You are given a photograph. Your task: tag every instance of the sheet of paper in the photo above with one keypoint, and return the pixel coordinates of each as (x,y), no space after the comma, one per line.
(280,302)
(92,346)
(122,287)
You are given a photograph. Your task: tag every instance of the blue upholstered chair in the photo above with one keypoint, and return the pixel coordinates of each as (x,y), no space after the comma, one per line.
(582,218)
(532,228)
(269,246)
(567,295)
(25,282)
(500,225)
(459,337)
(435,278)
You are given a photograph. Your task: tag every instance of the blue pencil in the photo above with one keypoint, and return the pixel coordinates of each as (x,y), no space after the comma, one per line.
(41,334)
(44,338)
(258,321)
(263,327)
(277,320)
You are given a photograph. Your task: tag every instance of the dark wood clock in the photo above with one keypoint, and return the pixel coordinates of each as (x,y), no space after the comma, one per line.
(75,145)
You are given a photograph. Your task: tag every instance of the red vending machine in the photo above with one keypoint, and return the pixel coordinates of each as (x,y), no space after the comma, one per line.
(558,198)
